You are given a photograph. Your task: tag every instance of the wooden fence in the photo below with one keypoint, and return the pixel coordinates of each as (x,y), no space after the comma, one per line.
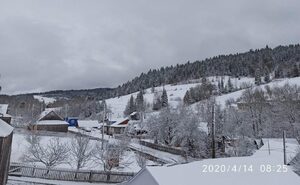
(163,148)
(69,175)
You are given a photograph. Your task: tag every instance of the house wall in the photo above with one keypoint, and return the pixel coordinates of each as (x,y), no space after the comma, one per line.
(53,128)
(6,119)
(5,152)
(114,130)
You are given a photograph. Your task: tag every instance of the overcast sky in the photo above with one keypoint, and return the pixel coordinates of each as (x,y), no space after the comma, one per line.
(72,44)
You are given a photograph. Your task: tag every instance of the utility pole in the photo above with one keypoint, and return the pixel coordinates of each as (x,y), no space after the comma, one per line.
(284,148)
(269,147)
(32,111)
(213,132)
(103,121)
(66,110)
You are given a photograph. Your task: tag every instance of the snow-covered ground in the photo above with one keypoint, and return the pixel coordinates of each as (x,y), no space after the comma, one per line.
(276,83)
(46,100)
(175,93)
(163,156)
(20,144)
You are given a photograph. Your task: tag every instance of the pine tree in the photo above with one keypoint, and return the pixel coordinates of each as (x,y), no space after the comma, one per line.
(187,99)
(267,78)
(156,101)
(102,105)
(222,84)
(164,98)
(152,89)
(140,102)
(295,71)
(130,107)
(230,85)
(257,77)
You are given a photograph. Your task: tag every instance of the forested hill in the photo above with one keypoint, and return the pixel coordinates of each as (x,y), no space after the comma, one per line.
(282,61)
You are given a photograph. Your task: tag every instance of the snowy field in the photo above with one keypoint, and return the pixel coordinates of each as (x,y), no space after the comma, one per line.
(20,144)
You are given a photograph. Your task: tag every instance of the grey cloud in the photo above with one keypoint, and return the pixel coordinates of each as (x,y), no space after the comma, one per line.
(73,44)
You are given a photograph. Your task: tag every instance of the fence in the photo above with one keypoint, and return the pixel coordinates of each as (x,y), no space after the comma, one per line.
(163,148)
(69,175)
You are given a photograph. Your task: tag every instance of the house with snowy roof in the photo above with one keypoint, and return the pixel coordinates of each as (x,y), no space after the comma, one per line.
(4,113)
(117,126)
(6,134)
(50,120)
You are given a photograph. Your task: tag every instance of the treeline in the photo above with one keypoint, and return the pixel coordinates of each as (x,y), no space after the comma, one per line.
(138,104)
(282,61)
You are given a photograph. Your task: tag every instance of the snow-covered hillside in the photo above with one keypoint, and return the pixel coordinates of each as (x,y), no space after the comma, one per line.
(175,93)
(276,83)
(46,100)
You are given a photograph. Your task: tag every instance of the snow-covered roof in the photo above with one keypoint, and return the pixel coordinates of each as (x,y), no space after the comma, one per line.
(233,173)
(88,123)
(52,122)
(133,114)
(118,122)
(203,127)
(48,111)
(5,129)
(3,108)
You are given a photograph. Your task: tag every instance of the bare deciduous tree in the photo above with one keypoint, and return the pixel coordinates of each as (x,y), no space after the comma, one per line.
(51,155)
(111,156)
(80,151)
(141,159)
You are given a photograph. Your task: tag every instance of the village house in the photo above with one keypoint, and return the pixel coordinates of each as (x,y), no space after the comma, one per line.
(6,134)
(4,113)
(49,120)
(116,127)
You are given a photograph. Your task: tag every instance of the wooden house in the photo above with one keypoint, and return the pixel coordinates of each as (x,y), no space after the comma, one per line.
(6,134)
(4,113)
(50,121)
(116,127)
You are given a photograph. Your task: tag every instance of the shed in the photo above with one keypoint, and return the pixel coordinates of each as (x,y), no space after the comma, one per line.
(116,127)
(6,134)
(4,113)
(49,120)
